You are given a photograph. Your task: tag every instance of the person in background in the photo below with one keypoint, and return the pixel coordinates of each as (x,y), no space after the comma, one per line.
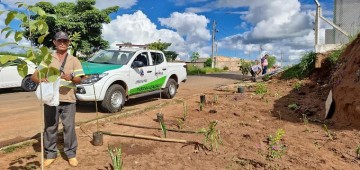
(71,73)
(255,70)
(264,64)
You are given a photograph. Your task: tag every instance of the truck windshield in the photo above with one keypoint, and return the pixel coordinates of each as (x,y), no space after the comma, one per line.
(112,57)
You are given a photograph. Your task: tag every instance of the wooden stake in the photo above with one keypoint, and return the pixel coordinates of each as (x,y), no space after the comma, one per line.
(145,127)
(150,138)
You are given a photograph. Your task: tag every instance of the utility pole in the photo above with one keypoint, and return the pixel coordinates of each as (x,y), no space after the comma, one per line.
(212,45)
(317,22)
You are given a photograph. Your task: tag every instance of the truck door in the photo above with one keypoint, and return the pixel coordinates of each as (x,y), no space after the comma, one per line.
(142,78)
(158,60)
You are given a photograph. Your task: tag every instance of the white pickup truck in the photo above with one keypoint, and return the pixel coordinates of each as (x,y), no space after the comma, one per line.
(116,75)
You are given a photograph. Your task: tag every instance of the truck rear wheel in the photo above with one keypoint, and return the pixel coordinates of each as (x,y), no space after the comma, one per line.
(114,99)
(170,90)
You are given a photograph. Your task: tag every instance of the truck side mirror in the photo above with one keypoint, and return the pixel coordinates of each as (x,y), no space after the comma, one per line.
(137,64)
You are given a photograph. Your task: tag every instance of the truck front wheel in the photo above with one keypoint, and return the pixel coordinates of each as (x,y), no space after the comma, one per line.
(114,99)
(170,90)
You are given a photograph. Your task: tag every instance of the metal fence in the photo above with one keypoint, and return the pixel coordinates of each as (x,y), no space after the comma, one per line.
(345,24)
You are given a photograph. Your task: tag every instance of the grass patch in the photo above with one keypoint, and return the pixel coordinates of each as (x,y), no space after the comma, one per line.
(334,56)
(303,69)
(192,70)
(13,148)
(14,54)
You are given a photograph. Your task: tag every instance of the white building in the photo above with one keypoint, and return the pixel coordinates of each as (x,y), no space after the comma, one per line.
(346,16)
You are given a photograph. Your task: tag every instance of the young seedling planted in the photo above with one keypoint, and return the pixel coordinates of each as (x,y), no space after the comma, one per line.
(212,136)
(275,148)
(163,127)
(116,157)
(185,113)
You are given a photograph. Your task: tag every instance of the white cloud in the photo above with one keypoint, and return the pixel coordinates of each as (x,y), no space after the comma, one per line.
(279,26)
(190,25)
(188,32)
(101,4)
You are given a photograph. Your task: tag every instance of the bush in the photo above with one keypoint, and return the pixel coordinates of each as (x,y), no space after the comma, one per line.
(260,88)
(208,62)
(192,70)
(245,67)
(226,68)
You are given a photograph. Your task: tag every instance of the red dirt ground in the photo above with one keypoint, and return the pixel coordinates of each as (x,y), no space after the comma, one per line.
(245,121)
(346,89)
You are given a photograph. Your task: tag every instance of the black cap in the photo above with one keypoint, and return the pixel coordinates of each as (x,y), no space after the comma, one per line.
(61,35)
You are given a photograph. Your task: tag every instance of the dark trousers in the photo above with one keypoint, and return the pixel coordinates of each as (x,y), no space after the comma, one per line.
(66,111)
(253,75)
(264,70)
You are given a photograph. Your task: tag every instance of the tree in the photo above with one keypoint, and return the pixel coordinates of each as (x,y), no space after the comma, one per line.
(36,26)
(162,46)
(208,62)
(81,17)
(170,55)
(194,57)
(271,61)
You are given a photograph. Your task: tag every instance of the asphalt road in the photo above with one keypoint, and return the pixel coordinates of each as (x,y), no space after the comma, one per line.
(20,112)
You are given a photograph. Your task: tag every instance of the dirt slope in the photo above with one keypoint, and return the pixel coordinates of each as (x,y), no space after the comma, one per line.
(346,86)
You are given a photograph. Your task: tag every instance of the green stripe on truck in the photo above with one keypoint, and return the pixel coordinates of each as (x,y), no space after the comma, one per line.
(154,85)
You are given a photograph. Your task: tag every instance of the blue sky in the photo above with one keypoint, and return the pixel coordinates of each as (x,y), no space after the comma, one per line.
(278,27)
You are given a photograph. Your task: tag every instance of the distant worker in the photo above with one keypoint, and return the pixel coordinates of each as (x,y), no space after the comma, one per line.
(264,64)
(255,70)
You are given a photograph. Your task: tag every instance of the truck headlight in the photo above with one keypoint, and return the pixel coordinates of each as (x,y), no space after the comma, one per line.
(93,78)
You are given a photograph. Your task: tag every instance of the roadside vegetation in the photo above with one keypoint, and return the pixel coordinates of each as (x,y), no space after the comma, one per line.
(193,70)
(303,69)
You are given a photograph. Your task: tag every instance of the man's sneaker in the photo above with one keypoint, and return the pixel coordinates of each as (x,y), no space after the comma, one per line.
(48,162)
(73,162)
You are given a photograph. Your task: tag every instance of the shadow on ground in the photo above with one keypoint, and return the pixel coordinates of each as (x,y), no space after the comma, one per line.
(89,107)
(310,99)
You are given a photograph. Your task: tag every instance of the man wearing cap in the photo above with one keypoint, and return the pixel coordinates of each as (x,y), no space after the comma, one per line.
(71,73)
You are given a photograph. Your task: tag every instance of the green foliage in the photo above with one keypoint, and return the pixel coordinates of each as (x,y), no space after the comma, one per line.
(162,46)
(192,70)
(266,77)
(81,17)
(163,127)
(116,157)
(297,85)
(245,67)
(303,69)
(36,26)
(271,61)
(180,123)
(212,136)
(226,68)
(357,152)
(334,56)
(185,112)
(275,148)
(328,132)
(170,55)
(260,88)
(195,56)
(201,105)
(293,106)
(208,62)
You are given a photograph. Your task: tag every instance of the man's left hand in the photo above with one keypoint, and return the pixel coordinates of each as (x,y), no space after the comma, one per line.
(67,77)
